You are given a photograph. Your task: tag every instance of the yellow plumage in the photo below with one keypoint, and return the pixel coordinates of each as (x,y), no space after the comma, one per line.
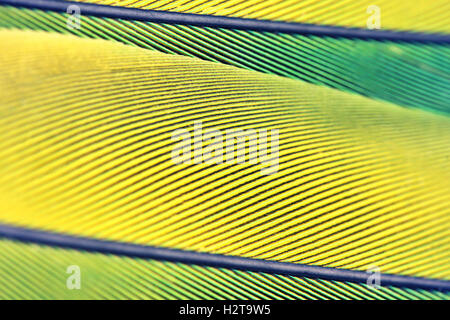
(85,143)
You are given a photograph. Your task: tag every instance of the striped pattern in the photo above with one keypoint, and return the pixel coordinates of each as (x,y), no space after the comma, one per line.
(405,74)
(85,135)
(424,15)
(39,272)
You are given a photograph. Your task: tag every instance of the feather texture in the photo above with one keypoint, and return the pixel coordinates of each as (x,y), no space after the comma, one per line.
(411,75)
(86,132)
